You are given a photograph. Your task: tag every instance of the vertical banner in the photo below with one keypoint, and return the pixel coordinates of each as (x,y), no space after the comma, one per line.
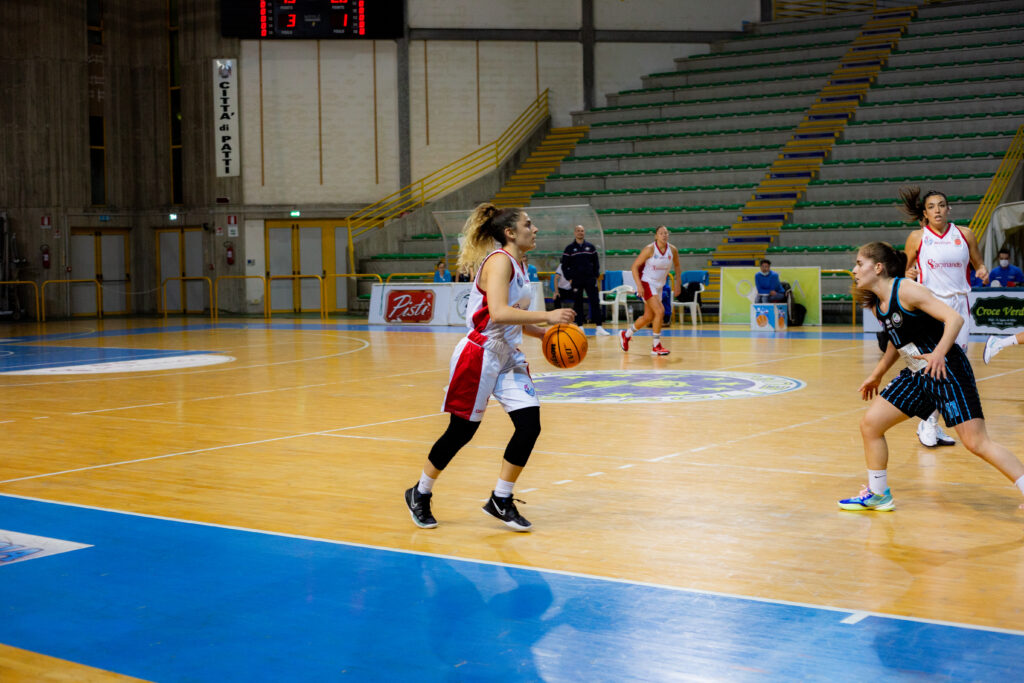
(738,290)
(225,108)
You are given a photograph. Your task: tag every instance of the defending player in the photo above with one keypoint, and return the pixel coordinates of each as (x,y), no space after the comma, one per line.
(937,257)
(487,361)
(923,330)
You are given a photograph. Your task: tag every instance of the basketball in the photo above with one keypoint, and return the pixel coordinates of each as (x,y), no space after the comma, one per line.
(565,346)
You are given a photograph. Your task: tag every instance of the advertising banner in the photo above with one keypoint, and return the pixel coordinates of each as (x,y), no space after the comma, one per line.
(993,311)
(227,143)
(738,292)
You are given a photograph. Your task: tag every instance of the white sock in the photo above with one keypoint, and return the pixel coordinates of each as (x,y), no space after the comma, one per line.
(426,484)
(657,340)
(503,489)
(1020,483)
(1007,341)
(878,481)
(630,332)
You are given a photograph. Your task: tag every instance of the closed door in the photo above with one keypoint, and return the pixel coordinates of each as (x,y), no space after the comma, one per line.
(180,256)
(104,256)
(297,249)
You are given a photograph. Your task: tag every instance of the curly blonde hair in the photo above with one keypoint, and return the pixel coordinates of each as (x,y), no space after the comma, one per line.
(485,226)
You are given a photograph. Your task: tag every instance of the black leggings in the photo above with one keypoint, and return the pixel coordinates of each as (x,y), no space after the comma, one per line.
(527,428)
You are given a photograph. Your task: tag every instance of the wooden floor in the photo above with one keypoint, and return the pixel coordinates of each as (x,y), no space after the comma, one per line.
(316,429)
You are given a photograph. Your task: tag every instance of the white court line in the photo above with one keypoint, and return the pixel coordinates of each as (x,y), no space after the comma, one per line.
(564,481)
(757,435)
(211,448)
(1001,374)
(426,442)
(855,618)
(539,570)
(780,359)
(300,387)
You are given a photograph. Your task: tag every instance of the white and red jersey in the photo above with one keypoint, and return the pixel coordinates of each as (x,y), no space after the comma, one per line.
(654,271)
(943,261)
(520,294)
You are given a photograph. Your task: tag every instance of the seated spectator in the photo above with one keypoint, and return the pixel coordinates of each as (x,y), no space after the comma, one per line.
(463,275)
(1005,274)
(441,272)
(769,288)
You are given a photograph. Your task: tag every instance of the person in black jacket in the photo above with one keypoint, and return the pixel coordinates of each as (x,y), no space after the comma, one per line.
(581,267)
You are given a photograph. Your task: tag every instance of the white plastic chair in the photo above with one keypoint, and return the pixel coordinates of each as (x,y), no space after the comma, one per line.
(621,293)
(692,306)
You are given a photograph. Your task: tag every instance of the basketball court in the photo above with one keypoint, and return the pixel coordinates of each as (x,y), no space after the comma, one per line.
(183,500)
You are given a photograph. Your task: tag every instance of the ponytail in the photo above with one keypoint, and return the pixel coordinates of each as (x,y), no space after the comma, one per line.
(485,226)
(894,263)
(913,202)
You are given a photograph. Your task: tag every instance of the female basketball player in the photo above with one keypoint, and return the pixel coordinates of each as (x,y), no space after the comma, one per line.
(923,330)
(937,257)
(994,345)
(650,270)
(487,361)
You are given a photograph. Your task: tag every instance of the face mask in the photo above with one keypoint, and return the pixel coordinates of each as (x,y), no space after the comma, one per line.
(1004,262)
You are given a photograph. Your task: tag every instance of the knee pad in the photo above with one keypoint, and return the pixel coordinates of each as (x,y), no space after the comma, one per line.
(458,434)
(527,429)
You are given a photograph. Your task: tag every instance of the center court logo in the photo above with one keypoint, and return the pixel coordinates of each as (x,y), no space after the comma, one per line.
(653,386)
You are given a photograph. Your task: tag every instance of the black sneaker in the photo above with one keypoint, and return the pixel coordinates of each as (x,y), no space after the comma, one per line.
(505,510)
(419,508)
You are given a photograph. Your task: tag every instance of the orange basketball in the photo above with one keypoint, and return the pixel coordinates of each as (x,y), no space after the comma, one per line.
(762,320)
(565,346)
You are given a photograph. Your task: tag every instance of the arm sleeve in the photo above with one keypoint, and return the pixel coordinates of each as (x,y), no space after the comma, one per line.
(760,284)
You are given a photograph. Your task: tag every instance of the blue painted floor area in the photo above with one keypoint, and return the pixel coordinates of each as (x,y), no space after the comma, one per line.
(175,601)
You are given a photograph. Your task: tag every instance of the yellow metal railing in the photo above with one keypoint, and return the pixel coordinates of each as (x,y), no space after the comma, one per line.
(99,295)
(356,276)
(426,276)
(451,176)
(853,304)
(796,9)
(996,188)
(35,293)
(184,303)
(295,278)
(216,294)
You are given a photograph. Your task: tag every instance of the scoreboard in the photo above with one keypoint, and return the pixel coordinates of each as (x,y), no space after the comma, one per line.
(312,19)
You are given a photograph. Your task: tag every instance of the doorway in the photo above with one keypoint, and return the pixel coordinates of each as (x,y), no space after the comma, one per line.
(103,255)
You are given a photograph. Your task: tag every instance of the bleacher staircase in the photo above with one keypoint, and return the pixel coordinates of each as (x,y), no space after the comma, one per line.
(528,178)
(801,157)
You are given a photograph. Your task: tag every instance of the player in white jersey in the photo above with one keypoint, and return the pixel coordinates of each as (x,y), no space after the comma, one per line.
(488,362)
(650,270)
(939,256)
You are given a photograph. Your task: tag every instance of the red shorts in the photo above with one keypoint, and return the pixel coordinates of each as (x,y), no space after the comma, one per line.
(645,290)
(478,372)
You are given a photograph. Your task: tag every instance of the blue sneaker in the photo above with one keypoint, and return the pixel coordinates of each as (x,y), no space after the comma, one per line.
(866,500)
